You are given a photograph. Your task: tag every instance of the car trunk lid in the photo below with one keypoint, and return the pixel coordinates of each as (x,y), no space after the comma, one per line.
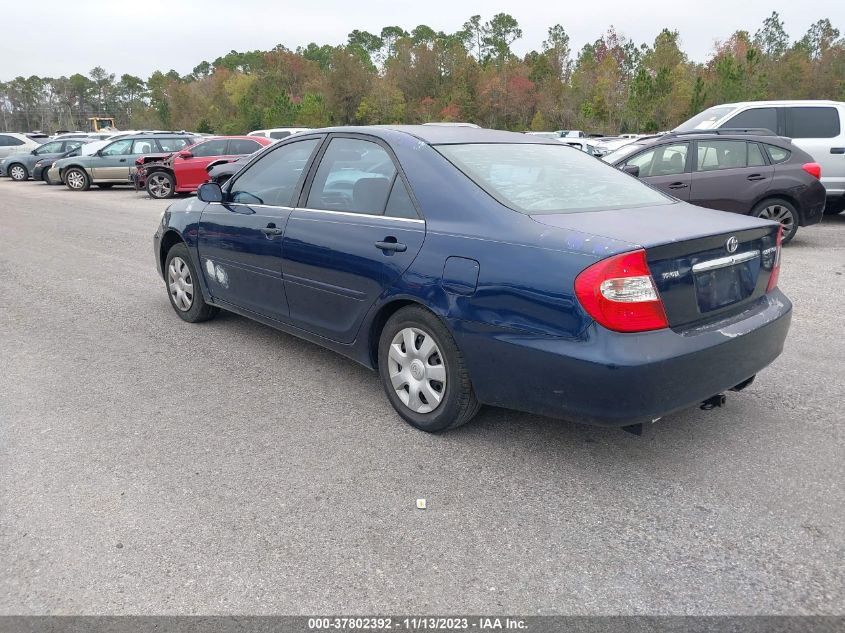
(705,264)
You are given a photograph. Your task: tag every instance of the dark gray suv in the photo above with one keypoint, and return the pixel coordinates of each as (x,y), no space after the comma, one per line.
(753,172)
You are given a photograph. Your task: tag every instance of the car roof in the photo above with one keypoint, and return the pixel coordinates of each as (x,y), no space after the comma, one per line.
(443,135)
(782,102)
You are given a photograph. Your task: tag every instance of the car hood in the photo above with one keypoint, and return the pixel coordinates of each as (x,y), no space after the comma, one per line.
(653,225)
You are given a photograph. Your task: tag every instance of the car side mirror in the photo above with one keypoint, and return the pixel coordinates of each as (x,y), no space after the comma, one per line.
(631,169)
(210,192)
(185,155)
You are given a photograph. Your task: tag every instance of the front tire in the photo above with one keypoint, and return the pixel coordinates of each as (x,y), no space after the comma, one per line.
(423,372)
(77,179)
(183,289)
(779,210)
(160,185)
(17,172)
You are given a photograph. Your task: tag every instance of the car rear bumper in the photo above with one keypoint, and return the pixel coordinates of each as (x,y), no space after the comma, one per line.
(612,379)
(812,202)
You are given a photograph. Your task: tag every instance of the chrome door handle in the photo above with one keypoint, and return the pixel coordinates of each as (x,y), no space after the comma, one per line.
(394,247)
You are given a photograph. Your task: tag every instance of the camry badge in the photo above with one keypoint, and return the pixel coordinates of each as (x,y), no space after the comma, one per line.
(732,244)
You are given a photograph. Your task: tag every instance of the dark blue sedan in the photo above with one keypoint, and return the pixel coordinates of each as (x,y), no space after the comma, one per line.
(472,267)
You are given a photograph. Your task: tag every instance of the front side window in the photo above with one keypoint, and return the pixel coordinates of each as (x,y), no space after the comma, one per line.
(118,148)
(355,176)
(539,178)
(813,122)
(713,155)
(766,118)
(216,147)
(272,180)
(173,144)
(664,160)
(49,148)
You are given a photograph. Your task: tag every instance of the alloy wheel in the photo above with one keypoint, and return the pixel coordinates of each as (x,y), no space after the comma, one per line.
(159,186)
(417,371)
(779,213)
(17,173)
(180,283)
(75,179)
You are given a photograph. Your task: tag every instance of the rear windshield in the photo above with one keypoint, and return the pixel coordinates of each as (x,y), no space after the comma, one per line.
(705,120)
(537,178)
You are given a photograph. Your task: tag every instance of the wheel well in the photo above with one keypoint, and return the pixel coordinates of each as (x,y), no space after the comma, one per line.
(384,313)
(64,170)
(781,196)
(169,239)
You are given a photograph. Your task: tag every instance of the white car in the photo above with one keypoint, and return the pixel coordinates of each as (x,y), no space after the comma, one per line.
(14,143)
(279,132)
(817,127)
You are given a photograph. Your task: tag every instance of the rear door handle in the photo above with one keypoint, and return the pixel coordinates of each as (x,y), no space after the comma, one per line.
(756,177)
(678,185)
(837,150)
(392,247)
(271,230)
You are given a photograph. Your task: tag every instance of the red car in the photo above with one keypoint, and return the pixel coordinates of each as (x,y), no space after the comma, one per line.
(184,171)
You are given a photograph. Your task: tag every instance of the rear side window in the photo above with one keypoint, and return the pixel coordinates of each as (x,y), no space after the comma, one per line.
(755,155)
(766,118)
(813,122)
(144,146)
(354,176)
(243,146)
(713,155)
(9,141)
(538,178)
(399,203)
(173,144)
(778,154)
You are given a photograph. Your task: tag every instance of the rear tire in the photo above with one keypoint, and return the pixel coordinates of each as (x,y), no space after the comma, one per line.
(17,172)
(423,372)
(160,185)
(835,206)
(77,179)
(779,210)
(183,287)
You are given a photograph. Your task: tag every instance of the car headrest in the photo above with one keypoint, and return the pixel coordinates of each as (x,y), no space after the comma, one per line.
(370,194)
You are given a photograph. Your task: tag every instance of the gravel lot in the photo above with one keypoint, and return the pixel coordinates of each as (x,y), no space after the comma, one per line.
(149,466)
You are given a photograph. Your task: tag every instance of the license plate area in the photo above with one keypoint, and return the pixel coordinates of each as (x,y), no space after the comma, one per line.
(727,280)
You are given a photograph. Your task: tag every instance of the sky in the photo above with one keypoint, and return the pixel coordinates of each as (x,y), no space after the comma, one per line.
(141,37)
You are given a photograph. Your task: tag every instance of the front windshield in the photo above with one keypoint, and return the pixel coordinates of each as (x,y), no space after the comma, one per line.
(704,120)
(540,178)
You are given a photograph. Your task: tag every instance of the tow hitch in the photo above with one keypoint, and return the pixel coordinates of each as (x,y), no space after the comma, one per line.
(713,401)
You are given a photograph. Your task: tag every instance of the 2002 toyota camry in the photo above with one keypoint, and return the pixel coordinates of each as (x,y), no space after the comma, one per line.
(474,266)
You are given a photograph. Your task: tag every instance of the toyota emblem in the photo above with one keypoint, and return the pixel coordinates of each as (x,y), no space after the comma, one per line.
(732,244)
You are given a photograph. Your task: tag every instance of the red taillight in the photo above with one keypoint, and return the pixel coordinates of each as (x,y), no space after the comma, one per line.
(814,169)
(773,278)
(619,293)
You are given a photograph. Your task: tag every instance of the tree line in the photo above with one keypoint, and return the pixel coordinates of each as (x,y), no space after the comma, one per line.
(396,76)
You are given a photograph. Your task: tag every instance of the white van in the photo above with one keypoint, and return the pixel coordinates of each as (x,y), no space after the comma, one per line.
(279,132)
(817,127)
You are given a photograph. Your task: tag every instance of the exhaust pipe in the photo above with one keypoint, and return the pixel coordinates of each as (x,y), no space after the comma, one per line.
(713,401)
